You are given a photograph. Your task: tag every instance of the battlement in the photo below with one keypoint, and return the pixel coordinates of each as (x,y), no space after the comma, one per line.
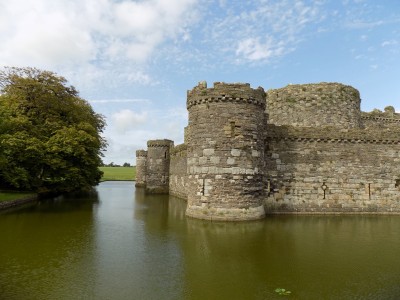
(225,92)
(332,135)
(315,105)
(178,150)
(141,153)
(160,143)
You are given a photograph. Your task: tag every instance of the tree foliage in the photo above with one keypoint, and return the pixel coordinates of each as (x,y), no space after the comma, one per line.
(50,138)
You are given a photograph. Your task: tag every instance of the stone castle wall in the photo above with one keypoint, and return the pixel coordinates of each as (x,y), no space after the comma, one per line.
(386,119)
(178,172)
(359,171)
(300,149)
(314,105)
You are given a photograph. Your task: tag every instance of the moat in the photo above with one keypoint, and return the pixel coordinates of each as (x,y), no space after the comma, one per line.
(121,244)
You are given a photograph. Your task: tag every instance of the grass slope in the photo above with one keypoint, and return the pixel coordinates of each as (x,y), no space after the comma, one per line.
(4,196)
(118,173)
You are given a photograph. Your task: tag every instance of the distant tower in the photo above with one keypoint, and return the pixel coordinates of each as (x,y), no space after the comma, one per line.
(141,158)
(157,166)
(225,152)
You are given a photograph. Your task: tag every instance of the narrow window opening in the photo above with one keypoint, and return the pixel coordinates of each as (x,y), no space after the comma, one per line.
(232,129)
(369,191)
(324,188)
(165,154)
(269,187)
(203,187)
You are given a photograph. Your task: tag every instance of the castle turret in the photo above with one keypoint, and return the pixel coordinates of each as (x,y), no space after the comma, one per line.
(315,105)
(225,153)
(157,166)
(141,158)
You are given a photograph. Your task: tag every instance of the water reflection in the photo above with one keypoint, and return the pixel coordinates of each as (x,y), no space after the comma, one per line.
(124,244)
(46,249)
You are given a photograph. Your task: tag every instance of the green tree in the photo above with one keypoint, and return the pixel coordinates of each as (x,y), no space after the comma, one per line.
(50,138)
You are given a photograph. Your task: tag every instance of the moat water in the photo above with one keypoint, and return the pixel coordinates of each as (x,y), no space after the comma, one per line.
(122,244)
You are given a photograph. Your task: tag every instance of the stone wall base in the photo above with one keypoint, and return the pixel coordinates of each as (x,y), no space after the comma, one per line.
(157,190)
(226,214)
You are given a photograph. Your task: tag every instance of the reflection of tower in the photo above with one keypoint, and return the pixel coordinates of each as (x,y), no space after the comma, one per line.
(141,157)
(157,166)
(225,152)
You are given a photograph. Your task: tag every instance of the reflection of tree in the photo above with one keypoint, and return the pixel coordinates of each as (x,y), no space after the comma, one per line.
(47,250)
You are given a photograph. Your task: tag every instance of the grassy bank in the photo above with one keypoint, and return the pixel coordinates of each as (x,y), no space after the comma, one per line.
(118,173)
(5,196)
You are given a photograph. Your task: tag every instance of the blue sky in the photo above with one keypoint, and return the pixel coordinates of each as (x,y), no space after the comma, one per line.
(135,60)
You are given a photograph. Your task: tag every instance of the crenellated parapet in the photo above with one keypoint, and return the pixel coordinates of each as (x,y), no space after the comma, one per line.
(381,119)
(141,153)
(332,135)
(240,93)
(315,105)
(160,143)
(158,165)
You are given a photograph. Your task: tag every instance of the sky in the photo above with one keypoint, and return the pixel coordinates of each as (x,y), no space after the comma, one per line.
(134,60)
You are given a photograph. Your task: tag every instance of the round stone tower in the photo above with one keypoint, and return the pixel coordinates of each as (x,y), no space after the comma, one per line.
(315,105)
(225,154)
(157,168)
(141,158)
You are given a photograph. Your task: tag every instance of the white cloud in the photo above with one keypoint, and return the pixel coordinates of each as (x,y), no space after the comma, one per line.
(91,37)
(389,43)
(127,119)
(263,30)
(253,49)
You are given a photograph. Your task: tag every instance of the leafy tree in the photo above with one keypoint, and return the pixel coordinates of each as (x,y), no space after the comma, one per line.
(50,138)
(126,164)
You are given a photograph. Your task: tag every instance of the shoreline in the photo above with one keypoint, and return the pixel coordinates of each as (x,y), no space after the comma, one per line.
(18,202)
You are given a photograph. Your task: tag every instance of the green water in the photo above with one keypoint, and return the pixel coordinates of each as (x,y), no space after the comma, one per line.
(122,244)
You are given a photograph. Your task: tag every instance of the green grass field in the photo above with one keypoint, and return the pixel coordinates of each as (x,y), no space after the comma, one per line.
(118,173)
(14,196)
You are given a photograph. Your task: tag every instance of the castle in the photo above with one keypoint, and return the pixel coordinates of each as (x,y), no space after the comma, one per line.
(299,149)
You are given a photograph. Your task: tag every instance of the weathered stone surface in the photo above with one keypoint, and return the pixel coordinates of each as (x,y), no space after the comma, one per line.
(226,128)
(315,105)
(141,158)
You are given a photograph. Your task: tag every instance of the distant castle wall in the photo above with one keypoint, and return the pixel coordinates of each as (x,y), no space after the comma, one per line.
(178,185)
(314,105)
(157,166)
(141,162)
